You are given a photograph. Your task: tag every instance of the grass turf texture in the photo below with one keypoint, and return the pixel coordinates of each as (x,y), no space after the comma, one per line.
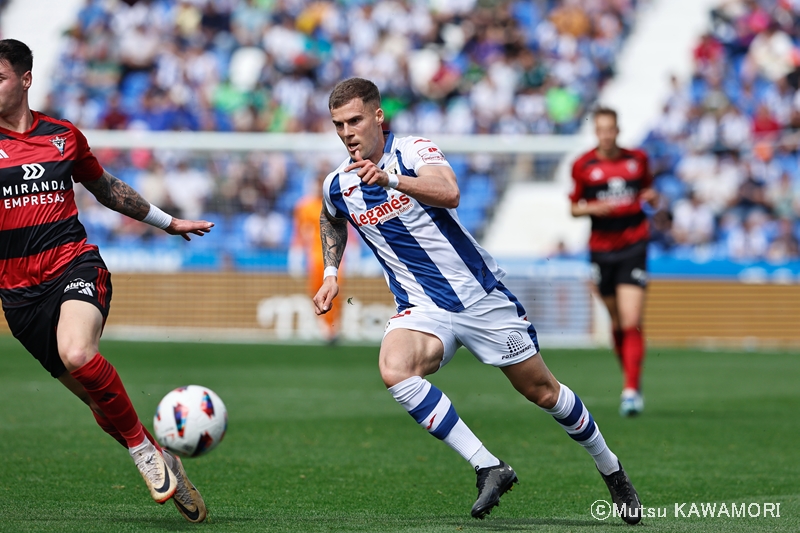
(315,443)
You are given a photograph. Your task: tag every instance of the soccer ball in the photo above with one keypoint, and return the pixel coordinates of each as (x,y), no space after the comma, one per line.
(190,421)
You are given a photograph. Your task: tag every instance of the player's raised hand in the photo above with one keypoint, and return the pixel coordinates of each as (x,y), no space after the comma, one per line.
(325,295)
(369,172)
(650,196)
(185,227)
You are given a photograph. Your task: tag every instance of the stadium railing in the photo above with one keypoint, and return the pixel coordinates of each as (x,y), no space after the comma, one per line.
(221,287)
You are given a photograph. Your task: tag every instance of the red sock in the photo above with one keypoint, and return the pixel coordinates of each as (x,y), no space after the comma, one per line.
(101,381)
(106,425)
(617,333)
(632,357)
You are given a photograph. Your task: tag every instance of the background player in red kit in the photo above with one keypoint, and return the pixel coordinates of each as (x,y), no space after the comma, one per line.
(610,183)
(54,286)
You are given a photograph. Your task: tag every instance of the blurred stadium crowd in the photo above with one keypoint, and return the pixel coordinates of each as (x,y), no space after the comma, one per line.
(445,66)
(520,66)
(724,151)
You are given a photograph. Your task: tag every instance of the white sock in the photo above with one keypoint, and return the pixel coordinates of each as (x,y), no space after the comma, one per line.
(483,458)
(579,424)
(142,447)
(433,411)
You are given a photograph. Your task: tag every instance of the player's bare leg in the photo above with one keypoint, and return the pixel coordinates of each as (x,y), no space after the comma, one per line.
(630,308)
(78,334)
(534,380)
(616,330)
(406,357)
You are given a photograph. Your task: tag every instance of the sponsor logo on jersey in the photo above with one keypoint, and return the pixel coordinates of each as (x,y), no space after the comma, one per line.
(393,207)
(25,193)
(82,286)
(431,154)
(618,191)
(349,191)
(60,143)
(33,171)
(28,188)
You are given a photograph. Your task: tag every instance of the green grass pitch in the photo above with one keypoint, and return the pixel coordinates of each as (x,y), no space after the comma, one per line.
(315,443)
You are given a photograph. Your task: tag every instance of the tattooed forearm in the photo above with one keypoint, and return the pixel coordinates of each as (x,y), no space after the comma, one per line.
(119,196)
(334,238)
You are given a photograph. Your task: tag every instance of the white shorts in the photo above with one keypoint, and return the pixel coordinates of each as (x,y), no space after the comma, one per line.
(495,329)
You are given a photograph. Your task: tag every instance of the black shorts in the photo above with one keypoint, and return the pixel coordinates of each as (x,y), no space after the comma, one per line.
(629,267)
(34,325)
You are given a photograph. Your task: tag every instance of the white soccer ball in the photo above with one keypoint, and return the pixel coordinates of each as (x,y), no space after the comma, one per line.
(190,421)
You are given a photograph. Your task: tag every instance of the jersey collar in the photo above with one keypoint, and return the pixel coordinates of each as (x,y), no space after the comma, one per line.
(387,146)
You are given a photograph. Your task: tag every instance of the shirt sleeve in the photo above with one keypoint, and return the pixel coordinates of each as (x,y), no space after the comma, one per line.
(87,167)
(647,176)
(326,198)
(422,152)
(577,184)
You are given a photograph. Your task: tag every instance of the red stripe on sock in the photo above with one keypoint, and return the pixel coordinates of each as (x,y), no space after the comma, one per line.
(101,381)
(632,357)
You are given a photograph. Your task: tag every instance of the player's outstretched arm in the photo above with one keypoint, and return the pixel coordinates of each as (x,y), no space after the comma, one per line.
(117,195)
(597,208)
(435,185)
(333,232)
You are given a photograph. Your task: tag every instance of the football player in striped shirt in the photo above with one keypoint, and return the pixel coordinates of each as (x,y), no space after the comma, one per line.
(610,184)
(400,195)
(54,286)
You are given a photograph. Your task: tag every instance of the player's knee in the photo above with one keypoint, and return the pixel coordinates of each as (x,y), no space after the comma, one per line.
(544,396)
(393,374)
(75,355)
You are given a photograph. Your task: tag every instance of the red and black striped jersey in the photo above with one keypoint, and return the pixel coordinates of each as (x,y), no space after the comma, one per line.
(619,181)
(40,235)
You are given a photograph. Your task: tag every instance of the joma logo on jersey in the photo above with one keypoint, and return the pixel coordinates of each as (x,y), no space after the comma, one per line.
(381,213)
(82,286)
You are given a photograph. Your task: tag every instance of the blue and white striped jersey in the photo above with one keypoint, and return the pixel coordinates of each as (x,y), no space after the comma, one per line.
(429,258)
